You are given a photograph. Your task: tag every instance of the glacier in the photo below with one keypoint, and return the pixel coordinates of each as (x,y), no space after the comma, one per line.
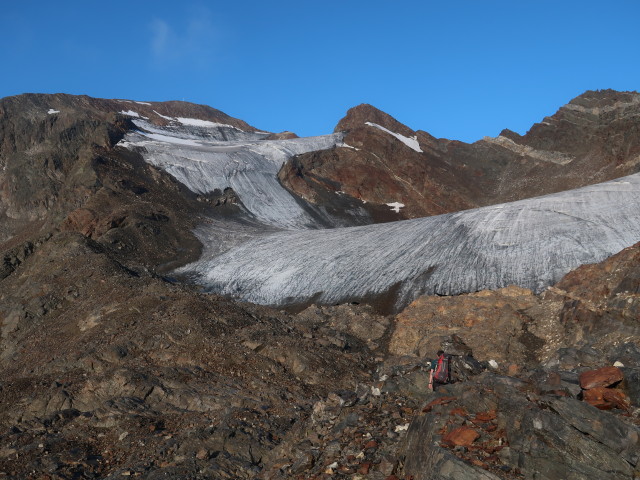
(531,243)
(285,258)
(206,157)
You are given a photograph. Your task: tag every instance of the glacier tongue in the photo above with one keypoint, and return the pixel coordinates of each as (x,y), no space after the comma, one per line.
(206,158)
(531,243)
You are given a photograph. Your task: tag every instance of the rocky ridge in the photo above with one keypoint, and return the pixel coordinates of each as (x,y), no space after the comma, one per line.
(592,139)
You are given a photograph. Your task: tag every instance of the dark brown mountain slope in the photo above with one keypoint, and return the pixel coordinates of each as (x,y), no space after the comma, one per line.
(592,139)
(59,169)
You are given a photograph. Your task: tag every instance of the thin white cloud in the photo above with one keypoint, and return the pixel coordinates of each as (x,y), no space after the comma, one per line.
(161,39)
(193,42)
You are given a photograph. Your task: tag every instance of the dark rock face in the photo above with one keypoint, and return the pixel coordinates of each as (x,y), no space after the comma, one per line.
(281,136)
(592,139)
(490,428)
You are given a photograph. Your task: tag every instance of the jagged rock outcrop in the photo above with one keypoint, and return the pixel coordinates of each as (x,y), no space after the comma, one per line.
(493,325)
(515,434)
(286,135)
(376,167)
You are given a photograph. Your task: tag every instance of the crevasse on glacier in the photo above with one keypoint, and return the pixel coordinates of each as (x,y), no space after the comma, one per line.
(531,243)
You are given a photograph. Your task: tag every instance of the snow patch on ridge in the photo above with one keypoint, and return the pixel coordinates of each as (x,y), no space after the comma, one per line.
(131,113)
(196,122)
(171,119)
(344,145)
(409,142)
(396,206)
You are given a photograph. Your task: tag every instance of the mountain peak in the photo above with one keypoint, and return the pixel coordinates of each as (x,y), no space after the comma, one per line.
(592,99)
(358,116)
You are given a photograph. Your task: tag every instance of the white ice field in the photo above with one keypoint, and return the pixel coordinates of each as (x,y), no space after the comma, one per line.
(531,243)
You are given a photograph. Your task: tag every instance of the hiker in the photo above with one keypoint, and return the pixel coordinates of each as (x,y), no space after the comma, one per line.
(439,371)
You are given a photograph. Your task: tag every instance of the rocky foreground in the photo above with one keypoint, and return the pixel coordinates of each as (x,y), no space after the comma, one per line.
(109,373)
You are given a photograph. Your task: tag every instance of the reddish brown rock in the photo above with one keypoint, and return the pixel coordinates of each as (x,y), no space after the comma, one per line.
(602,377)
(513,370)
(459,411)
(461,436)
(374,166)
(371,444)
(606,398)
(438,401)
(591,290)
(490,323)
(484,417)
(617,398)
(81,220)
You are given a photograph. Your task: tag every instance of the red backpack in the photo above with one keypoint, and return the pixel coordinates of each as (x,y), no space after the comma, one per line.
(441,373)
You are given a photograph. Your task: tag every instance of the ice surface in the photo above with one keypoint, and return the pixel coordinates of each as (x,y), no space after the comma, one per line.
(409,142)
(222,157)
(131,113)
(169,139)
(166,118)
(195,122)
(531,243)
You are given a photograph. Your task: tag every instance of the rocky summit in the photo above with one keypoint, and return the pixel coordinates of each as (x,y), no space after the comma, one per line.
(183,295)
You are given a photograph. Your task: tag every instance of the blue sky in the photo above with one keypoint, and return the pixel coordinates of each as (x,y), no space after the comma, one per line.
(457,69)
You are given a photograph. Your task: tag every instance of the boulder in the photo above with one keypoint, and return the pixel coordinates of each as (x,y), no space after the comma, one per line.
(601,377)
(606,398)
(461,436)
(488,324)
